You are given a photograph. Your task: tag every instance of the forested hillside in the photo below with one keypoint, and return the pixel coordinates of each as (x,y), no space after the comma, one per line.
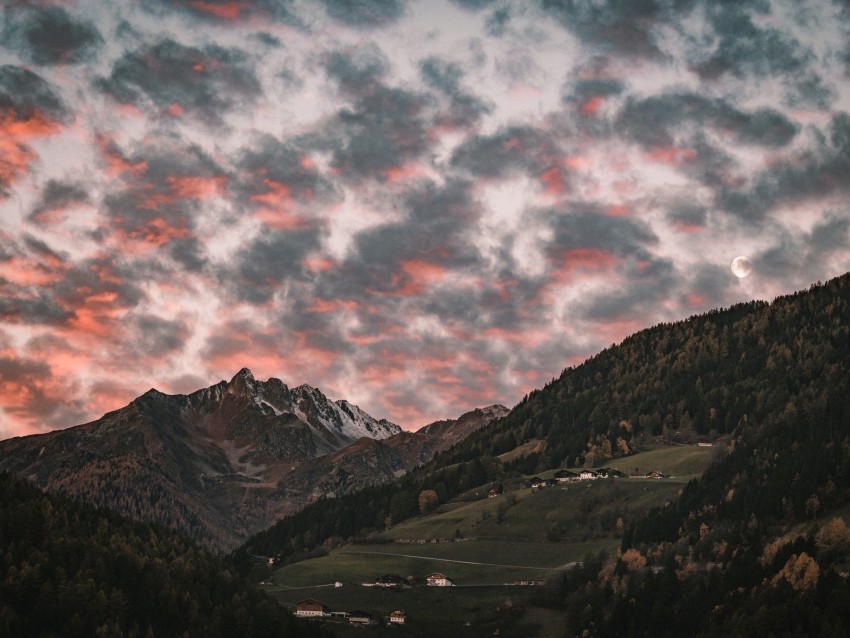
(771,378)
(72,570)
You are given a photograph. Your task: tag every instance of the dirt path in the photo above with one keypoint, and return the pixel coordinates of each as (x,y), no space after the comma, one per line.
(465,562)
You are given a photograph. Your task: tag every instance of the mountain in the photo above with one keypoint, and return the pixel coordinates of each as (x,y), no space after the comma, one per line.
(372,462)
(72,570)
(215,463)
(759,545)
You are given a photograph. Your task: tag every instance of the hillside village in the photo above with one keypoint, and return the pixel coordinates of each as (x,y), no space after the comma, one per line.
(315,610)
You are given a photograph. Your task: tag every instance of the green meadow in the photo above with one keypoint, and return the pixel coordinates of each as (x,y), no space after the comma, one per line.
(486,544)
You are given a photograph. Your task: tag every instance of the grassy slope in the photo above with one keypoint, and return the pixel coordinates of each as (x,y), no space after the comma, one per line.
(514,548)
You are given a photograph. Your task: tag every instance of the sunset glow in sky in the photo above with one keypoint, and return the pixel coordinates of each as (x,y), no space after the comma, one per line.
(421,206)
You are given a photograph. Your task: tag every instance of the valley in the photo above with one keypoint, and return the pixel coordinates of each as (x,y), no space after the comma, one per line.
(486,545)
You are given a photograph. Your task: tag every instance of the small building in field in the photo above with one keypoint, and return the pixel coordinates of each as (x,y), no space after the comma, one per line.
(492,493)
(310,608)
(358,617)
(608,472)
(588,475)
(655,474)
(438,580)
(390,580)
(397,617)
(536,482)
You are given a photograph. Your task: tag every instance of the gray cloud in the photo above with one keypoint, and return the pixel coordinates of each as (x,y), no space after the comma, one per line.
(622,27)
(268,263)
(656,120)
(515,148)
(817,173)
(365,13)
(156,337)
(206,82)
(384,129)
(25,95)
(58,195)
(271,160)
(744,49)
(464,109)
(49,35)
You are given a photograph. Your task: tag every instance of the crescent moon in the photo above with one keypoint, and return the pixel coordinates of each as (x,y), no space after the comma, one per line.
(741,267)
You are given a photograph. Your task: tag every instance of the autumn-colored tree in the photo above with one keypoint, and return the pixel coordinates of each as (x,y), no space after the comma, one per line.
(428,500)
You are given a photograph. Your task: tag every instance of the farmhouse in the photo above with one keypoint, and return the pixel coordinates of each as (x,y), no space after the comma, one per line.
(310,608)
(397,617)
(492,493)
(565,476)
(536,482)
(438,580)
(588,475)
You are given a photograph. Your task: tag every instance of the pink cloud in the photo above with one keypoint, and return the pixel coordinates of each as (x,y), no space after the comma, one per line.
(27,271)
(332,305)
(197,187)
(318,264)
(403,173)
(591,106)
(116,163)
(15,155)
(226,10)
(672,155)
(277,204)
(576,162)
(417,275)
(553,181)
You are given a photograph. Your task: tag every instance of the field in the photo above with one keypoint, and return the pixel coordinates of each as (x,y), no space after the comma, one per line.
(486,544)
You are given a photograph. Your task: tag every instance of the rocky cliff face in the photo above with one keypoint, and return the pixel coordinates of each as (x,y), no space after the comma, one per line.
(226,461)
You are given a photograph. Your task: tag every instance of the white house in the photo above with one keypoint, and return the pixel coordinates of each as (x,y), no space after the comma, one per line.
(438,580)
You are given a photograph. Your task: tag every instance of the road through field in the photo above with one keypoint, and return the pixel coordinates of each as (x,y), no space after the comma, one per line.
(465,562)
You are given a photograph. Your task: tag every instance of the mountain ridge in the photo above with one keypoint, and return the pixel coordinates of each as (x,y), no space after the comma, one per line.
(219,463)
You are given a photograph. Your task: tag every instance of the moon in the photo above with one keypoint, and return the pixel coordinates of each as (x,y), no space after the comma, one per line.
(741,267)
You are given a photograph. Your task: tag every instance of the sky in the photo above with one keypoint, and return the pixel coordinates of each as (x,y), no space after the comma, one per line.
(420,206)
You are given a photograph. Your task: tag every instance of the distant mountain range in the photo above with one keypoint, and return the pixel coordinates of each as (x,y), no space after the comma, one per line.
(227,461)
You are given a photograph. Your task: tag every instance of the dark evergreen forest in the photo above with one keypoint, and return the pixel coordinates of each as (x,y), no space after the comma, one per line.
(71,570)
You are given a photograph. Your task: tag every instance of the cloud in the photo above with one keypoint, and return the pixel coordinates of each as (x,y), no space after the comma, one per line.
(268,264)
(464,108)
(233,10)
(57,196)
(657,121)
(814,173)
(29,391)
(48,35)
(743,49)
(156,337)
(171,80)
(365,13)
(620,27)
(29,109)
(383,130)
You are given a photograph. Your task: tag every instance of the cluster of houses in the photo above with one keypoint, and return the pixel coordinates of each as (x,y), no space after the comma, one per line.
(568,476)
(312,608)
